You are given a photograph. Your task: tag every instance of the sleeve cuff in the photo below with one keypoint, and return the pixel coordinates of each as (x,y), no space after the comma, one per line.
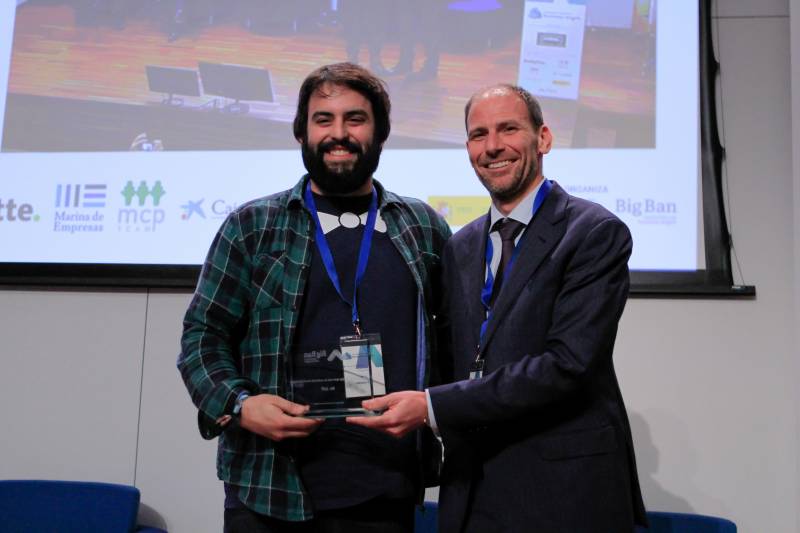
(211,419)
(431,416)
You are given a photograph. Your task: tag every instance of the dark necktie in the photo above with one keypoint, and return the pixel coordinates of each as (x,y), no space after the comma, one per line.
(508,229)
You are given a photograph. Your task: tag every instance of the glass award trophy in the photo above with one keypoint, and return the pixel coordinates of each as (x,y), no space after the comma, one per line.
(335,381)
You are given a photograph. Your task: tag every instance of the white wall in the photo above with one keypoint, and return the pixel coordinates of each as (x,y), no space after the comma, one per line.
(795,83)
(89,390)
(711,384)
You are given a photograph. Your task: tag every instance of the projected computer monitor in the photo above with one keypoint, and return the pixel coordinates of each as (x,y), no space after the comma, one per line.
(172,81)
(237,82)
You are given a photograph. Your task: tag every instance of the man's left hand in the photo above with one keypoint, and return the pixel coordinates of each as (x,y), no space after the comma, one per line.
(404,411)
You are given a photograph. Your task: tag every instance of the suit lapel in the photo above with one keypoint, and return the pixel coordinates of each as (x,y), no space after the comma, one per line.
(544,232)
(471,271)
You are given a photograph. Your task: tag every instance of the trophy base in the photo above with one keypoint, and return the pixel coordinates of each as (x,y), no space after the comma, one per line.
(340,412)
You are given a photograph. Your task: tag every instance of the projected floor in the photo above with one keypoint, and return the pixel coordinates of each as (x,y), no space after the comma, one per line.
(79,77)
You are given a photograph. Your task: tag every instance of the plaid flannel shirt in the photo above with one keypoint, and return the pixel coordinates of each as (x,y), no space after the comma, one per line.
(239,328)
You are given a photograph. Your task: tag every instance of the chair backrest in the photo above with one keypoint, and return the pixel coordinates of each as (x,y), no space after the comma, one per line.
(426,521)
(662,522)
(67,506)
(426,518)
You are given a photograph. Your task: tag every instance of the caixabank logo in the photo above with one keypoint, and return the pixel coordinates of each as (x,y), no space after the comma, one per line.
(200,209)
(13,211)
(142,211)
(79,208)
(193,208)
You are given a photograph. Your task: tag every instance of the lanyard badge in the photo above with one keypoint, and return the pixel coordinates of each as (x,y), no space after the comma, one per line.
(476,369)
(363,252)
(362,362)
(361,353)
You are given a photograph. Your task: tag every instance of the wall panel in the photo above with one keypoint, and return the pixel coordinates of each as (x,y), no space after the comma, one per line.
(69,385)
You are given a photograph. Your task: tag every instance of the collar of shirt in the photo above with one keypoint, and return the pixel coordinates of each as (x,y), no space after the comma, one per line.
(521,213)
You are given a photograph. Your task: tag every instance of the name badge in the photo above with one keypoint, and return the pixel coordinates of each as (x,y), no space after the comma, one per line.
(362,362)
(476,369)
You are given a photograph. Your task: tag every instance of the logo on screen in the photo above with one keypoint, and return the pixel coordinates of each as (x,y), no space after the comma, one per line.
(191,208)
(215,209)
(648,210)
(459,210)
(78,208)
(11,211)
(141,212)
(590,192)
(88,196)
(138,195)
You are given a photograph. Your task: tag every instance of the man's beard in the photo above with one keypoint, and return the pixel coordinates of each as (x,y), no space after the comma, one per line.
(340,179)
(512,190)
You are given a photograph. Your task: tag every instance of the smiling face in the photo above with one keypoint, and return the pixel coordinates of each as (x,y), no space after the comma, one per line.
(504,147)
(339,151)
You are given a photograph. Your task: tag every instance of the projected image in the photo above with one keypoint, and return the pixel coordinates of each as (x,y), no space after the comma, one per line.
(119,75)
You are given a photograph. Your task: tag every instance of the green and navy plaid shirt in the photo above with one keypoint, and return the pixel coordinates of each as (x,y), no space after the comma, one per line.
(240,325)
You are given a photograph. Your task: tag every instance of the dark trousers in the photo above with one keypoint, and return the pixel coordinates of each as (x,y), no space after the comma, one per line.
(374,516)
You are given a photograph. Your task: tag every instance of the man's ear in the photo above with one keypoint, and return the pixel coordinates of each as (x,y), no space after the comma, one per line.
(545,140)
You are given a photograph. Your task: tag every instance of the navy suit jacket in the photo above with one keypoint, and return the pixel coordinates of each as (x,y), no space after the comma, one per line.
(542,442)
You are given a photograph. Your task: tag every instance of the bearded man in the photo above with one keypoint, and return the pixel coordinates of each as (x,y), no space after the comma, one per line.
(288,277)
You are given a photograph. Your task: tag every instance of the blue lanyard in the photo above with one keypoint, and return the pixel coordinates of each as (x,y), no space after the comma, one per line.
(486,293)
(363,253)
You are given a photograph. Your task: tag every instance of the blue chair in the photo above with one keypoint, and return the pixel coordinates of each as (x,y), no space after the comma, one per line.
(426,521)
(426,518)
(662,522)
(68,507)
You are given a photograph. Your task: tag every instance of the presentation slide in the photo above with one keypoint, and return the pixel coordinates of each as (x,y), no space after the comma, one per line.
(132,128)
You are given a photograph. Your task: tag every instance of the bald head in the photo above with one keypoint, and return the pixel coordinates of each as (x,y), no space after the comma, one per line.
(501,89)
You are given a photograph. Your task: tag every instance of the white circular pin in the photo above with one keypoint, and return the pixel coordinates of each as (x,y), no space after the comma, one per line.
(349,220)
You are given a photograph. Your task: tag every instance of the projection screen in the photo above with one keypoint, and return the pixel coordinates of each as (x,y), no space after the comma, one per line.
(132,128)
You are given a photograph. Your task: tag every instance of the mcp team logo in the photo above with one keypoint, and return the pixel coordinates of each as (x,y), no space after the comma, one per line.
(141,192)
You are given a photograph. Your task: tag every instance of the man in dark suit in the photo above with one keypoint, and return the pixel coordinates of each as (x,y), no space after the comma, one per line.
(534,427)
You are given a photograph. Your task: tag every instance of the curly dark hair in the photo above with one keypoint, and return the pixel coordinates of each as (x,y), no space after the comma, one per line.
(354,77)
